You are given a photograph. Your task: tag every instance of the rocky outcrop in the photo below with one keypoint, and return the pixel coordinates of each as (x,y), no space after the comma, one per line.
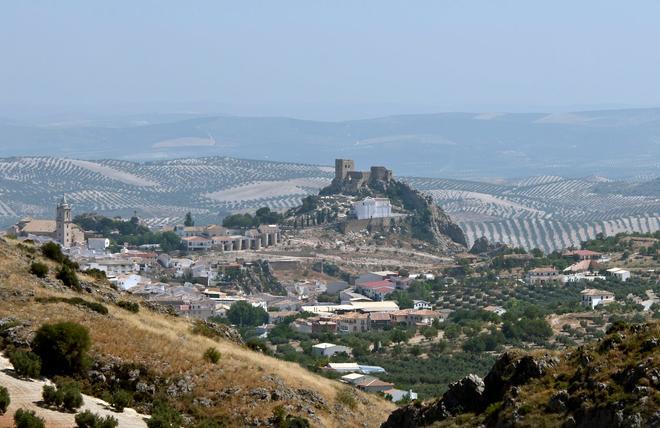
(426,220)
(474,395)
(614,382)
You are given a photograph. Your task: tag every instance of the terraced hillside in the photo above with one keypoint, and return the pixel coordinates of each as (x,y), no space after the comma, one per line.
(161,192)
(548,212)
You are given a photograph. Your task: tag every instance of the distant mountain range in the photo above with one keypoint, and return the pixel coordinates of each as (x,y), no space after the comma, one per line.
(611,143)
(549,212)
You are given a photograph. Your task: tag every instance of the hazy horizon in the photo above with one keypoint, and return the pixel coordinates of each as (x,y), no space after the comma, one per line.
(325,61)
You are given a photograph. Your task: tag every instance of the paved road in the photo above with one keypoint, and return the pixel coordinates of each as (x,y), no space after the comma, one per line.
(27,393)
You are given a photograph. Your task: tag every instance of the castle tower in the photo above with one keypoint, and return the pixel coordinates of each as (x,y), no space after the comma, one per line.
(343,167)
(64,223)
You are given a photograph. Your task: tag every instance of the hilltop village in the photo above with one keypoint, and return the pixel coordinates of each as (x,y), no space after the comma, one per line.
(358,277)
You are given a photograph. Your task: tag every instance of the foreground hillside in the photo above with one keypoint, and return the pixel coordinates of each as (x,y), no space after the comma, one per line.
(161,357)
(613,382)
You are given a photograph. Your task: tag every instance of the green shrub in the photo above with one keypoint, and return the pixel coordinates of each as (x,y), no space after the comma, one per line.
(96,273)
(27,419)
(164,416)
(68,277)
(210,423)
(39,269)
(51,396)
(129,306)
(281,419)
(121,399)
(87,419)
(53,251)
(26,363)
(4,400)
(63,348)
(95,306)
(212,355)
(71,396)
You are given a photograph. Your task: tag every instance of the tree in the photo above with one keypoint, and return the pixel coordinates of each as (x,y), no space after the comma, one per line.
(39,269)
(244,314)
(53,251)
(27,419)
(26,363)
(63,348)
(188,222)
(121,399)
(4,400)
(87,419)
(68,277)
(164,416)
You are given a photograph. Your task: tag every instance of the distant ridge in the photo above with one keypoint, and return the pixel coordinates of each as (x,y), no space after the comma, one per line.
(610,143)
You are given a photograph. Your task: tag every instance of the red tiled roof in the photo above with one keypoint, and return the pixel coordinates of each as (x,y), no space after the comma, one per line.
(376,284)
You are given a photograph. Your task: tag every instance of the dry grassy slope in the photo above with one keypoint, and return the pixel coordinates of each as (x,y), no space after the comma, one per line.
(167,346)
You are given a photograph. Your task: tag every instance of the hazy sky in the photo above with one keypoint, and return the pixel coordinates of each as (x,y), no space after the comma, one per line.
(334,59)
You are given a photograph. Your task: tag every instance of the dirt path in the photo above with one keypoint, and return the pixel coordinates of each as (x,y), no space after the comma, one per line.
(26,394)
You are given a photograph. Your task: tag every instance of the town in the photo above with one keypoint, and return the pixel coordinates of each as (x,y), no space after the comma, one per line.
(310,307)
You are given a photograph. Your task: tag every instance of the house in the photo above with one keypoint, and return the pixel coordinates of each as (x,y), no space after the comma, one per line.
(343,367)
(379,320)
(352,378)
(329,349)
(336,287)
(125,282)
(275,317)
(414,317)
(372,384)
(368,277)
(353,322)
(620,274)
(349,295)
(98,244)
(197,243)
(112,267)
(581,266)
(398,395)
(583,254)
(593,297)
(376,290)
(542,275)
(421,304)
(372,208)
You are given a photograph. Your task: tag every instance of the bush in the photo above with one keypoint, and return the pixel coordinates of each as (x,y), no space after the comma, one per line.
(4,400)
(62,348)
(68,277)
(129,306)
(87,419)
(27,419)
(53,251)
(212,355)
(51,396)
(281,419)
(121,399)
(71,396)
(66,395)
(26,363)
(164,416)
(39,269)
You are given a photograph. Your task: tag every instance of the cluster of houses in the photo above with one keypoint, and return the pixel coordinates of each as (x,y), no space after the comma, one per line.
(585,268)
(213,236)
(362,377)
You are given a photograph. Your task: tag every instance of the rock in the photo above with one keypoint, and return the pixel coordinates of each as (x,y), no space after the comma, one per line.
(133,375)
(465,395)
(558,400)
(203,402)
(145,388)
(259,394)
(569,423)
(649,344)
(512,369)
(96,376)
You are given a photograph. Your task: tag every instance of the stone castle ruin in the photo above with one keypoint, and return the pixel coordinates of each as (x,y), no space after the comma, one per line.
(348,178)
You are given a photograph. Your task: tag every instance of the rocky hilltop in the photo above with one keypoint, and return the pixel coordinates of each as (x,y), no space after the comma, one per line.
(614,382)
(420,218)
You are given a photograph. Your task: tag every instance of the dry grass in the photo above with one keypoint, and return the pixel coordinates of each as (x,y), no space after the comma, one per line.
(167,346)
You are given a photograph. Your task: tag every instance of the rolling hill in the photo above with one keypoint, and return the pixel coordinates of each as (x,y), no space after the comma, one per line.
(548,212)
(614,143)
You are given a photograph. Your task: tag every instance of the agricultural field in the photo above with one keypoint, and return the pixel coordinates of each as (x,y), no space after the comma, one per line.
(548,212)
